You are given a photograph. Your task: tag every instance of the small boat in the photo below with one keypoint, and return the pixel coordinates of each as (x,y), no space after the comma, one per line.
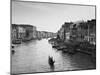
(16,41)
(55,46)
(61,48)
(12,46)
(13,51)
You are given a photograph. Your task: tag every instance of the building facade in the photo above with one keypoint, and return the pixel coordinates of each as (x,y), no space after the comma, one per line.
(80,32)
(22,32)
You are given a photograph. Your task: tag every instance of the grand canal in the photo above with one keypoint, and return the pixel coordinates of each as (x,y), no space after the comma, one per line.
(32,57)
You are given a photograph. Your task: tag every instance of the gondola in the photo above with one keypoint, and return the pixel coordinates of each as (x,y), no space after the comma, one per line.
(51,61)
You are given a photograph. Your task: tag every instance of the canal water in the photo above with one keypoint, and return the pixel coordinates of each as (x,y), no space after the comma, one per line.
(32,57)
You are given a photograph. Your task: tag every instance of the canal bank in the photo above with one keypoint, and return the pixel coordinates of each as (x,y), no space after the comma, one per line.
(72,47)
(33,57)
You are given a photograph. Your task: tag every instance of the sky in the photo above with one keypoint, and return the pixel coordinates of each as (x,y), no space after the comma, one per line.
(49,16)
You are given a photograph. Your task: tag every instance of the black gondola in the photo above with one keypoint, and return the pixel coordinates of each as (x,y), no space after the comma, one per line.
(51,61)
(13,51)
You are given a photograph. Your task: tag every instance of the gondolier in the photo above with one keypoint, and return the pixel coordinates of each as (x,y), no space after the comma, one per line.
(51,61)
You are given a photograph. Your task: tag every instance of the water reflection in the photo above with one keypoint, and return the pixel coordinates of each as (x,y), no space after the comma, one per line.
(33,57)
(52,67)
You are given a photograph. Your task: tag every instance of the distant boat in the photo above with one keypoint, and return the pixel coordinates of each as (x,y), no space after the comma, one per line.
(12,46)
(16,41)
(12,51)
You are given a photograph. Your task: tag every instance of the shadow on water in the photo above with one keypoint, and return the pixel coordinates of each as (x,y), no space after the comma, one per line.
(52,67)
(30,42)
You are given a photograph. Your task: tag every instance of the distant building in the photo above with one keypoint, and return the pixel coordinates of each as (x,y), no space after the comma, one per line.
(22,32)
(14,32)
(44,34)
(79,31)
(73,32)
(64,32)
(61,34)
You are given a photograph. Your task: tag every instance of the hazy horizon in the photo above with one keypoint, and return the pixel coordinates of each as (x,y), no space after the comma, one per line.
(49,17)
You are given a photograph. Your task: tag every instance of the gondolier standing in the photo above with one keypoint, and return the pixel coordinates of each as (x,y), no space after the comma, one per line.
(51,61)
